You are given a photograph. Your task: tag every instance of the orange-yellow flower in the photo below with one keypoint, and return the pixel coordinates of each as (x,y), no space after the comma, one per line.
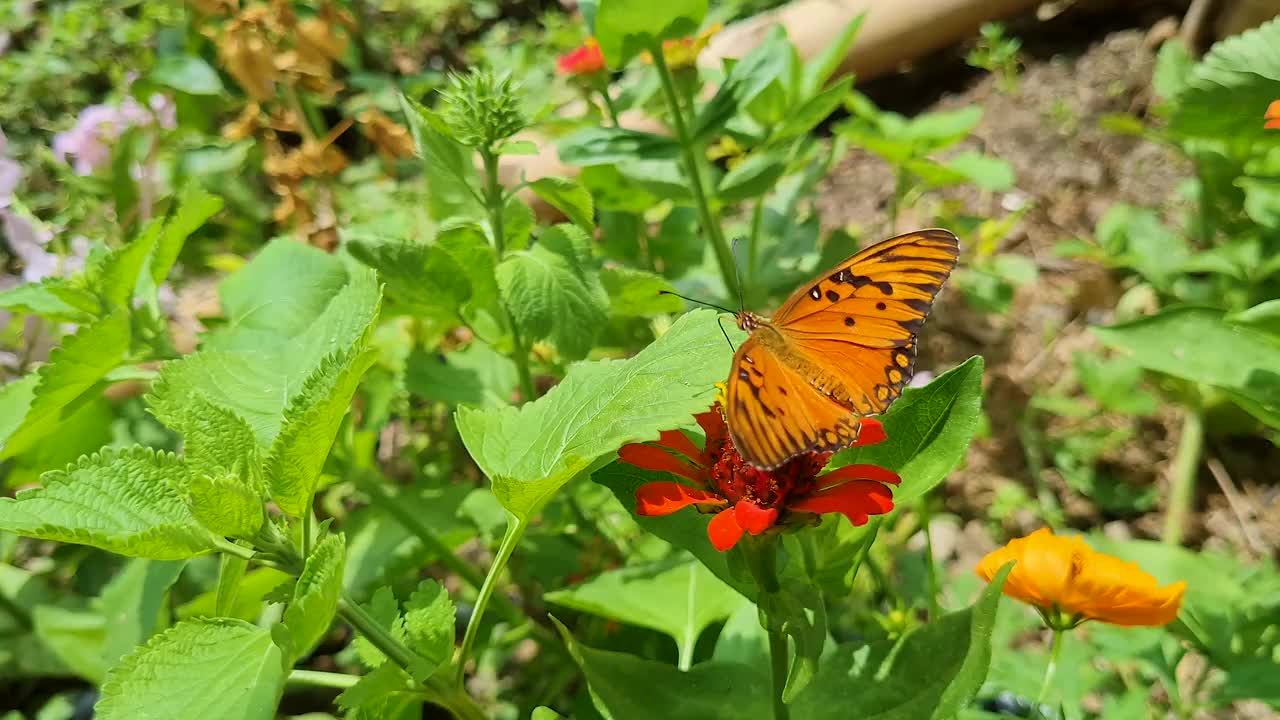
(1272,116)
(1070,583)
(585,60)
(683,52)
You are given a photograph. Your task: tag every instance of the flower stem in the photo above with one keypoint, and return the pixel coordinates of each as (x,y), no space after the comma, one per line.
(724,256)
(494,202)
(761,555)
(603,89)
(778,671)
(931,570)
(515,531)
(1050,671)
(1186,465)
(316,678)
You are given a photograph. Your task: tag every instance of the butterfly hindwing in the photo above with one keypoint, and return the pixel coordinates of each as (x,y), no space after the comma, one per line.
(845,347)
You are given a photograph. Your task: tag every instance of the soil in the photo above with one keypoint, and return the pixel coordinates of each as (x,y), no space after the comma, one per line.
(1077,69)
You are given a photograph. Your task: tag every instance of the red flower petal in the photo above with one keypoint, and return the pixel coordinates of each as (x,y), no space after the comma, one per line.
(663,498)
(678,441)
(858,472)
(712,422)
(652,457)
(1272,124)
(856,500)
(753,518)
(870,432)
(724,530)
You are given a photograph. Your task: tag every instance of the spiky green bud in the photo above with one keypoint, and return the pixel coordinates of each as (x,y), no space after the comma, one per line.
(482,108)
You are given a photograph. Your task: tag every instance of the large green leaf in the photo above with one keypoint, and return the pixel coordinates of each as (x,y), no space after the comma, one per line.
(211,668)
(475,375)
(425,277)
(530,452)
(128,501)
(1229,90)
(624,28)
(553,291)
(569,197)
(679,598)
(430,623)
(73,372)
(928,430)
(315,597)
(626,687)
(930,673)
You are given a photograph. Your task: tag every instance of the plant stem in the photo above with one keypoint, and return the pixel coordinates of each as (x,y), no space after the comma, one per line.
(16,611)
(710,222)
(761,556)
(931,570)
(307,521)
(1055,651)
(494,202)
(753,242)
(778,671)
(603,89)
(873,529)
(231,548)
(316,678)
(515,531)
(1186,465)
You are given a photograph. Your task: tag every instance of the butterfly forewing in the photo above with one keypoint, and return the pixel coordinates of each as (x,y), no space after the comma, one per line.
(845,345)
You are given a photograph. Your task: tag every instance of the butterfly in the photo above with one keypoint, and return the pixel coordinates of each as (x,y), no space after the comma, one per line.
(842,347)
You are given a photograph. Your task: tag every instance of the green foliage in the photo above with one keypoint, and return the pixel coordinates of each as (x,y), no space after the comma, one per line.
(315,597)
(625,28)
(482,108)
(219,668)
(1240,72)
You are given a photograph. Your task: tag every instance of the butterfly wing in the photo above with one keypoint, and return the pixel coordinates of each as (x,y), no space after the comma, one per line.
(844,347)
(774,413)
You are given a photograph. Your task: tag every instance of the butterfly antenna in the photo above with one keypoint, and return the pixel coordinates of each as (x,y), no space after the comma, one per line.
(720,322)
(682,297)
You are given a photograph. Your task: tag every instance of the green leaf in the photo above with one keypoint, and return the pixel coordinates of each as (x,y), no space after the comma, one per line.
(216,442)
(52,298)
(820,69)
(384,680)
(530,452)
(425,277)
(311,425)
(766,66)
(754,177)
(231,576)
(195,207)
(627,687)
(809,113)
(799,613)
(474,375)
(935,130)
(212,668)
(932,672)
(385,610)
(1114,384)
(73,373)
(517,224)
(518,147)
(624,28)
(928,430)
(986,171)
(429,621)
(1191,343)
(1264,316)
(1240,75)
(315,598)
(606,146)
(133,603)
(678,598)
(554,292)
(128,502)
(225,505)
(634,293)
(115,277)
(186,73)
(467,245)
(1173,69)
(449,169)
(569,197)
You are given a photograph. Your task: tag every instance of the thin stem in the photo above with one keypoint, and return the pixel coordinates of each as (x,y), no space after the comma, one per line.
(873,529)
(778,671)
(515,530)
(494,201)
(603,89)
(1051,670)
(931,570)
(710,222)
(316,678)
(1186,466)
(231,548)
(307,519)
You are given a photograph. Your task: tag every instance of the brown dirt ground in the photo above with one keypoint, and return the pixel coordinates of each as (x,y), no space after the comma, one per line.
(1077,69)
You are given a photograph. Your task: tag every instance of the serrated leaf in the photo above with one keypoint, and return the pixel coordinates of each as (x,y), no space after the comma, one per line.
(1240,73)
(385,610)
(195,207)
(71,374)
(54,299)
(517,224)
(376,685)
(530,452)
(128,502)
(429,622)
(451,177)
(569,197)
(635,293)
(225,505)
(211,668)
(418,275)
(315,598)
(467,245)
(311,424)
(928,430)
(679,598)
(217,442)
(114,278)
(552,293)
(132,605)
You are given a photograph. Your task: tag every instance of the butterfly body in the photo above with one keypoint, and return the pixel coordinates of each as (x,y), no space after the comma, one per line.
(842,347)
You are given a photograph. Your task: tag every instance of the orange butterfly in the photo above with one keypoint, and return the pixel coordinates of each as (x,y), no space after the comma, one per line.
(837,350)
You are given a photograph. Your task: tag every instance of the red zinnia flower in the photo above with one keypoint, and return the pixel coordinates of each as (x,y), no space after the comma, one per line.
(750,500)
(1272,116)
(586,60)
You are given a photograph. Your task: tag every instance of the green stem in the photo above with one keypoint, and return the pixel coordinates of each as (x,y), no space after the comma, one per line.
(1051,670)
(515,530)
(778,671)
(19,615)
(873,529)
(753,242)
(1186,465)
(307,519)
(724,255)
(231,548)
(931,570)
(494,202)
(316,678)
(761,556)
(603,89)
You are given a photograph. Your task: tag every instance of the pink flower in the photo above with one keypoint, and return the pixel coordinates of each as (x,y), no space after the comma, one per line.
(99,126)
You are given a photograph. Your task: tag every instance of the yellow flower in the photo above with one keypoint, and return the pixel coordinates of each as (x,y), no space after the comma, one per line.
(1070,583)
(683,52)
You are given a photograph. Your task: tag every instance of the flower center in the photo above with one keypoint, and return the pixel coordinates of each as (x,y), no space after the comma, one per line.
(737,480)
